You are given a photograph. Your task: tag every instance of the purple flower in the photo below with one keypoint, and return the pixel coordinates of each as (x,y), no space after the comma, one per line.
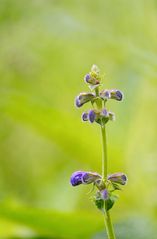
(116,94)
(119,178)
(81,177)
(104,194)
(91,116)
(83,98)
(111,94)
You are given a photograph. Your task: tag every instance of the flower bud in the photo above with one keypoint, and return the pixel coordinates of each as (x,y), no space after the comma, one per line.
(83,98)
(91,79)
(111,116)
(104,194)
(119,178)
(81,177)
(104,113)
(95,69)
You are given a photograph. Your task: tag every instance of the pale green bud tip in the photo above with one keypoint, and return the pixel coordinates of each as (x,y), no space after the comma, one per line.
(95,69)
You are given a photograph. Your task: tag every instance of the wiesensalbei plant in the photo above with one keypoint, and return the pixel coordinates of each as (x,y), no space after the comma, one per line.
(105,184)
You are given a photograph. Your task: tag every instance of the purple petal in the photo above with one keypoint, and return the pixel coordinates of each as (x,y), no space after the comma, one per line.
(78,102)
(87,78)
(76,178)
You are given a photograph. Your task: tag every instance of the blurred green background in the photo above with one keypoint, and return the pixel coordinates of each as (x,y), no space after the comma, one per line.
(46,48)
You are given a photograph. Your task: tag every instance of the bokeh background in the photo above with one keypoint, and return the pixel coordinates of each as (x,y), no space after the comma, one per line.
(46,48)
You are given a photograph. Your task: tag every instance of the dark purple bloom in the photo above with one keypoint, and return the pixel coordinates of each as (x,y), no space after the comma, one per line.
(83,98)
(119,178)
(91,116)
(81,177)
(76,178)
(104,194)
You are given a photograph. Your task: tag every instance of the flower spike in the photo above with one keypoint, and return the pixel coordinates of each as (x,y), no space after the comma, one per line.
(106,185)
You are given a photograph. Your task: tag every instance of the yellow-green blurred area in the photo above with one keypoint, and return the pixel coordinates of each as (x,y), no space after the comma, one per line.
(46,48)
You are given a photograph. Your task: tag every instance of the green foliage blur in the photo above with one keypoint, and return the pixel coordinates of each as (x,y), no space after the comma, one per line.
(46,48)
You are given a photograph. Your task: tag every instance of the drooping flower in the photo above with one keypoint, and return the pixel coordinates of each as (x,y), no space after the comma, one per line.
(83,98)
(119,178)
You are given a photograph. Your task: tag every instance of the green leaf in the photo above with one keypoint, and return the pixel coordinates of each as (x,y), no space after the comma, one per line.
(99,203)
(110,202)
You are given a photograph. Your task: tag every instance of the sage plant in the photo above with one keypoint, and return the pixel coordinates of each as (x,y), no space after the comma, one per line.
(106,185)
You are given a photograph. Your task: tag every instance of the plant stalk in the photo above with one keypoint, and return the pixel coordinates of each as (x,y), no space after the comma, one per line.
(108,222)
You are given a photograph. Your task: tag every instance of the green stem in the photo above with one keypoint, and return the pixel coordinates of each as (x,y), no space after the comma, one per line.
(104,152)
(108,222)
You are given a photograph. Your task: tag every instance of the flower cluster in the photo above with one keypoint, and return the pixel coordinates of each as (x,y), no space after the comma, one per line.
(98,113)
(105,187)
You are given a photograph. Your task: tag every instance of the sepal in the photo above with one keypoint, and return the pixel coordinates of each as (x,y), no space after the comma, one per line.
(110,202)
